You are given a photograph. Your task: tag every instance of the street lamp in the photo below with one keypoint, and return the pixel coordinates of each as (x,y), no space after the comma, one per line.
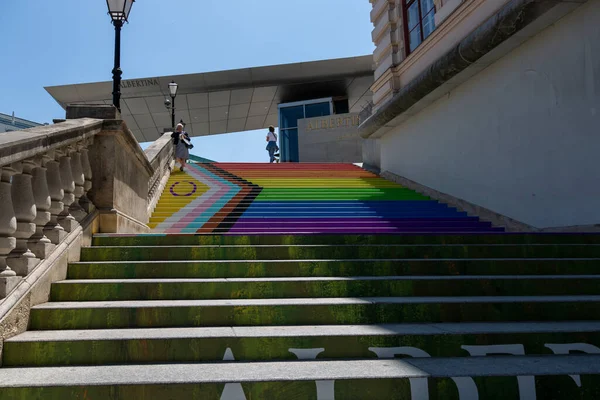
(173,93)
(119,13)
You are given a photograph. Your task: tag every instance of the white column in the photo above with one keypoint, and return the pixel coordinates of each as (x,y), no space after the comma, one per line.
(53,230)
(39,244)
(87,205)
(79,179)
(8,226)
(21,259)
(65,219)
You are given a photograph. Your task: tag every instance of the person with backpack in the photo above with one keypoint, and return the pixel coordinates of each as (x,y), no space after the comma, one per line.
(182,143)
(272,147)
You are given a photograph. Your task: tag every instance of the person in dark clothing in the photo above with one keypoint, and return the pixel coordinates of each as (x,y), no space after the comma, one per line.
(180,137)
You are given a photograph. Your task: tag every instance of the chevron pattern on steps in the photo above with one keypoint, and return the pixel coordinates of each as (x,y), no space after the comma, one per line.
(301,199)
(320,317)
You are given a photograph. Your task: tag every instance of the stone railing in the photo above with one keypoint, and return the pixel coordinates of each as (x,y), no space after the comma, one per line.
(161,155)
(55,177)
(44,187)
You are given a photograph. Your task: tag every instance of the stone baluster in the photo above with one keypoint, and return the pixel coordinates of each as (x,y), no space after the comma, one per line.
(79,179)
(66,220)
(39,244)
(8,226)
(85,202)
(53,230)
(21,259)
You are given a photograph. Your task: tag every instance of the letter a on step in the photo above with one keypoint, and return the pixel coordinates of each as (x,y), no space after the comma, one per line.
(232,391)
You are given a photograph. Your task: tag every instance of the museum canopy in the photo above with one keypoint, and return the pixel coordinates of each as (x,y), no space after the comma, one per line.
(231,101)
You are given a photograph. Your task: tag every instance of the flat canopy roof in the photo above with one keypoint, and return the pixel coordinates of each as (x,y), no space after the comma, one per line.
(227,101)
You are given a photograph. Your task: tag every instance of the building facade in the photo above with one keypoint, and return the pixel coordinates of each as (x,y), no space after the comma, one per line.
(9,123)
(493,102)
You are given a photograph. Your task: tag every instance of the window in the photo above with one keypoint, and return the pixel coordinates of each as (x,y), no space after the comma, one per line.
(419,22)
(289,114)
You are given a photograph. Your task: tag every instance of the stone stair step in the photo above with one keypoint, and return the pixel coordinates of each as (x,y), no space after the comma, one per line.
(354,229)
(329,267)
(275,223)
(315,311)
(193,239)
(231,252)
(307,287)
(335,379)
(446,216)
(139,346)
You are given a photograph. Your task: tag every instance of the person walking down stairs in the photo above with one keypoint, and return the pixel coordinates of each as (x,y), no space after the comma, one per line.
(272,143)
(182,143)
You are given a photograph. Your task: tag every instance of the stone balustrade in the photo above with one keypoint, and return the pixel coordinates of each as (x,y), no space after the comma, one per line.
(42,189)
(56,178)
(161,155)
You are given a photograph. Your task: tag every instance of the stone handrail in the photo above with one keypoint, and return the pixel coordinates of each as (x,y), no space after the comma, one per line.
(45,180)
(53,177)
(161,155)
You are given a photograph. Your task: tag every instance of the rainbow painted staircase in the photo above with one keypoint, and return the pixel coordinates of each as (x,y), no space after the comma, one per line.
(385,295)
(300,199)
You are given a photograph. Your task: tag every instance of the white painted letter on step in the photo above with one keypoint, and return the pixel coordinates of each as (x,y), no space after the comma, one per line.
(232,391)
(568,348)
(325,389)
(526,383)
(419,389)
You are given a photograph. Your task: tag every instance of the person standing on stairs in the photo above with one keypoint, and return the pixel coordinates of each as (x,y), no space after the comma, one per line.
(181,140)
(272,143)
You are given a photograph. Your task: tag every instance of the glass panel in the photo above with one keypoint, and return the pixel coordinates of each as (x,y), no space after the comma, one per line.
(413,15)
(341,107)
(317,110)
(415,38)
(289,116)
(284,145)
(292,137)
(428,24)
(426,6)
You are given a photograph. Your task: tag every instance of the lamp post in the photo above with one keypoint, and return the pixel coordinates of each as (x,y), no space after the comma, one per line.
(119,13)
(173,93)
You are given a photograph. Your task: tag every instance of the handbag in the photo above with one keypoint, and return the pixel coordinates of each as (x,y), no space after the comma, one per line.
(187,143)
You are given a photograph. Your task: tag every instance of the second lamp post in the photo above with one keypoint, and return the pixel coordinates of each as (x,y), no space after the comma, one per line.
(173,93)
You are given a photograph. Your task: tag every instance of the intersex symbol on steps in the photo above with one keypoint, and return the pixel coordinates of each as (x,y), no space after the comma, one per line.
(172,189)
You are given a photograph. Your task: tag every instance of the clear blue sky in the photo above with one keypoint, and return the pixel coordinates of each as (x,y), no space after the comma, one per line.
(57,42)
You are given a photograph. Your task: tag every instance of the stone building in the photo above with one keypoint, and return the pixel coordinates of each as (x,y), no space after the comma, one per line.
(9,123)
(493,102)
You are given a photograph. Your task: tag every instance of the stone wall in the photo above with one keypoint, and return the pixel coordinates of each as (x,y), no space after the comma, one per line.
(332,138)
(520,138)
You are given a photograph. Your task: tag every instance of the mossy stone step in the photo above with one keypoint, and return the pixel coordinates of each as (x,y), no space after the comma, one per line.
(321,311)
(169,345)
(272,288)
(193,239)
(347,379)
(274,252)
(324,268)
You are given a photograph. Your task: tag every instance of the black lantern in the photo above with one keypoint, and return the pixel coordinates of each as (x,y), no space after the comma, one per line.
(173,93)
(119,13)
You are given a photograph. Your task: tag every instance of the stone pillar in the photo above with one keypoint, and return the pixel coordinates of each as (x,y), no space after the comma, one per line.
(39,244)
(79,179)
(65,219)
(21,259)
(53,230)
(390,49)
(85,202)
(8,226)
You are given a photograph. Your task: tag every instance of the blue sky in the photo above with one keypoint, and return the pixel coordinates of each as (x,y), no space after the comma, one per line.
(49,43)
